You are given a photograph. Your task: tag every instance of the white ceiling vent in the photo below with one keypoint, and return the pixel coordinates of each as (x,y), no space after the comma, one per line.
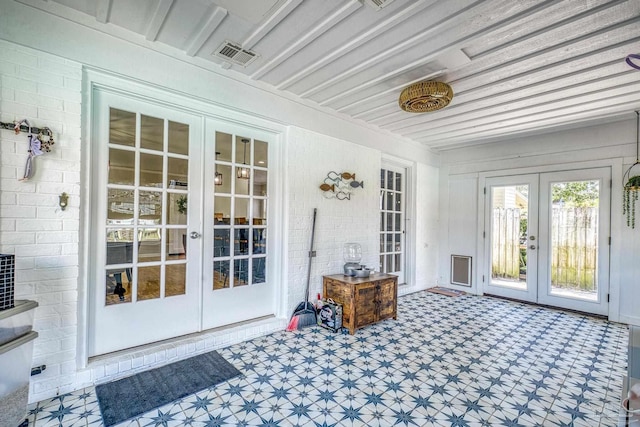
(233,52)
(377,4)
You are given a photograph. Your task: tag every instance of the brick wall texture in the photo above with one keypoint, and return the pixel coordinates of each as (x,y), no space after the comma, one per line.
(45,90)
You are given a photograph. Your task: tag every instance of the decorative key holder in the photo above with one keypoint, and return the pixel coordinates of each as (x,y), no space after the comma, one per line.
(40,142)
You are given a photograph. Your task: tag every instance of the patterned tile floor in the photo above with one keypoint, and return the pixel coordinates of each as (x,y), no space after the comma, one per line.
(466,361)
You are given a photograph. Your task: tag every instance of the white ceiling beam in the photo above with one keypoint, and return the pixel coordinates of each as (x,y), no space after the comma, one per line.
(549,28)
(159,16)
(537,125)
(103,8)
(206,31)
(418,38)
(346,10)
(270,23)
(357,41)
(389,76)
(395,90)
(512,102)
(529,106)
(585,42)
(557,109)
(551,76)
(370,111)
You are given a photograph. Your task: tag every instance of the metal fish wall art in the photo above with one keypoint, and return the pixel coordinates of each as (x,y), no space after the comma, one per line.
(327,187)
(340,185)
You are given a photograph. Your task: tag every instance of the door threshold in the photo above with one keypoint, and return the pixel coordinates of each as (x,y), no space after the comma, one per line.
(123,363)
(583,313)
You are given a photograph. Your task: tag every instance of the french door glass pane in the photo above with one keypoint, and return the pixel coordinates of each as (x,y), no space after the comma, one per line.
(221,243)
(151,133)
(220,274)
(259,240)
(509,210)
(224,144)
(118,286)
(148,282)
(176,242)
(241,241)
(150,170)
(260,183)
(178,172)
(222,213)
(240,272)
(175,281)
(176,209)
(574,239)
(178,138)
(122,126)
(224,172)
(122,166)
(120,206)
(261,154)
(149,245)
(259,270)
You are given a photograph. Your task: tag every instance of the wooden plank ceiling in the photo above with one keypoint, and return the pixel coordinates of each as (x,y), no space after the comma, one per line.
(515,67)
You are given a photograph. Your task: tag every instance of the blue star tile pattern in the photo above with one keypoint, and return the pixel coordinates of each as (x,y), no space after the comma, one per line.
(465,361)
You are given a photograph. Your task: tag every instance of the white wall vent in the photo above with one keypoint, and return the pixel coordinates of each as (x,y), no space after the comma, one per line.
(377,4)
(234,53)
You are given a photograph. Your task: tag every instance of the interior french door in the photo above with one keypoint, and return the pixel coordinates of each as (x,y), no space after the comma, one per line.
(546,236)
(180,210)
(392,221)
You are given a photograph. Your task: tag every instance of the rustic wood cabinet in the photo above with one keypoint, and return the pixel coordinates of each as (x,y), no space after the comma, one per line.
(364,300)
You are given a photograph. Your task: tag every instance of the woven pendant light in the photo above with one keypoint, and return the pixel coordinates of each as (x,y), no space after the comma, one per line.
(425,96)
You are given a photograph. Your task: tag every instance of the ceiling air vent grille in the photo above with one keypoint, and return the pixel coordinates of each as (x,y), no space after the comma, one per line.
(234,53)
(377,4)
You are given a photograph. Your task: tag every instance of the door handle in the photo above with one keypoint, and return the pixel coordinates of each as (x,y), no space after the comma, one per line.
(194,235)
(532,247)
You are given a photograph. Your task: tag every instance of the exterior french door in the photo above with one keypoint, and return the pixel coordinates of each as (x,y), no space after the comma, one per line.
(181,213)
(547,238)
(237,273)
(145,270)
(392,221)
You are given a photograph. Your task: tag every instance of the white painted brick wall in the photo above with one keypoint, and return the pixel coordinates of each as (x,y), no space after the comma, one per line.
(310,156)
(45,90)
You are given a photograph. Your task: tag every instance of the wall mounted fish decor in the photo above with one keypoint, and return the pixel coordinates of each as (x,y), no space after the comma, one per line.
(38,145)
(340,185)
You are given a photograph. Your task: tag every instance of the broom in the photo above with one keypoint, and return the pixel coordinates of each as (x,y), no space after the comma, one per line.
(305,314)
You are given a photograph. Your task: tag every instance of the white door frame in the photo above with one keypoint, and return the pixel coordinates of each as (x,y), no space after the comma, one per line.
(616,165)
(409,214)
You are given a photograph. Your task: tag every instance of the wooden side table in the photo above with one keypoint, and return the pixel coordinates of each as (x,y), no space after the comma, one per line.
(364,300)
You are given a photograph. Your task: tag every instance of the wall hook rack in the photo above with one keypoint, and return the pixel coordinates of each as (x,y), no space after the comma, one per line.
(40,141)
(20,127)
